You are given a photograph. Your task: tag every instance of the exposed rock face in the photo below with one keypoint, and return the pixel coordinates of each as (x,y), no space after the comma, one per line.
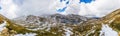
(56,18)
(68,19)
(63,25)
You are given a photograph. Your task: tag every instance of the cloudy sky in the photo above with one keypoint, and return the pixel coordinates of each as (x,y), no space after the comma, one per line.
(89,8)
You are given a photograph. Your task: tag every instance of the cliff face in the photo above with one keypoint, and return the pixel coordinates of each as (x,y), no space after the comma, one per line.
(61,25)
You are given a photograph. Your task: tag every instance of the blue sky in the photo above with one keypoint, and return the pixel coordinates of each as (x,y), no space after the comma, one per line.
(86,1)
(0,8)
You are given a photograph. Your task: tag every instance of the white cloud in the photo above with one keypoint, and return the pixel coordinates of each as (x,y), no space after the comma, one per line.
(8,8)
(35,7)
(97,8)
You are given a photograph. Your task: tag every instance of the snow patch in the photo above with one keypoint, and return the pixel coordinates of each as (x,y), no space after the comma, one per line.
(68,31)
(27,34)
(2,26)
(107,31)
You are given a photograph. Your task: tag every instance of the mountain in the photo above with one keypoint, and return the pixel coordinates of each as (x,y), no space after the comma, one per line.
(61,25)
(56,18)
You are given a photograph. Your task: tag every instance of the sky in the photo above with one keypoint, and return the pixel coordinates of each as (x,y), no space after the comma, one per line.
(86,1)
(88,8)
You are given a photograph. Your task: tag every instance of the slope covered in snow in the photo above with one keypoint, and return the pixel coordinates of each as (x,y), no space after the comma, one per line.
(107,31)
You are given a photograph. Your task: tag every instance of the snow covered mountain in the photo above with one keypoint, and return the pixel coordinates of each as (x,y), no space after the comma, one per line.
(53,25)
(59,18)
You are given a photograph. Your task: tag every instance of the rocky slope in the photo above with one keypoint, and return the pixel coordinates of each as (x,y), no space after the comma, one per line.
(61,25)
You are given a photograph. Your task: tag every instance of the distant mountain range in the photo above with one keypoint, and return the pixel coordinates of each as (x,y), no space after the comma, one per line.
(61,25)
